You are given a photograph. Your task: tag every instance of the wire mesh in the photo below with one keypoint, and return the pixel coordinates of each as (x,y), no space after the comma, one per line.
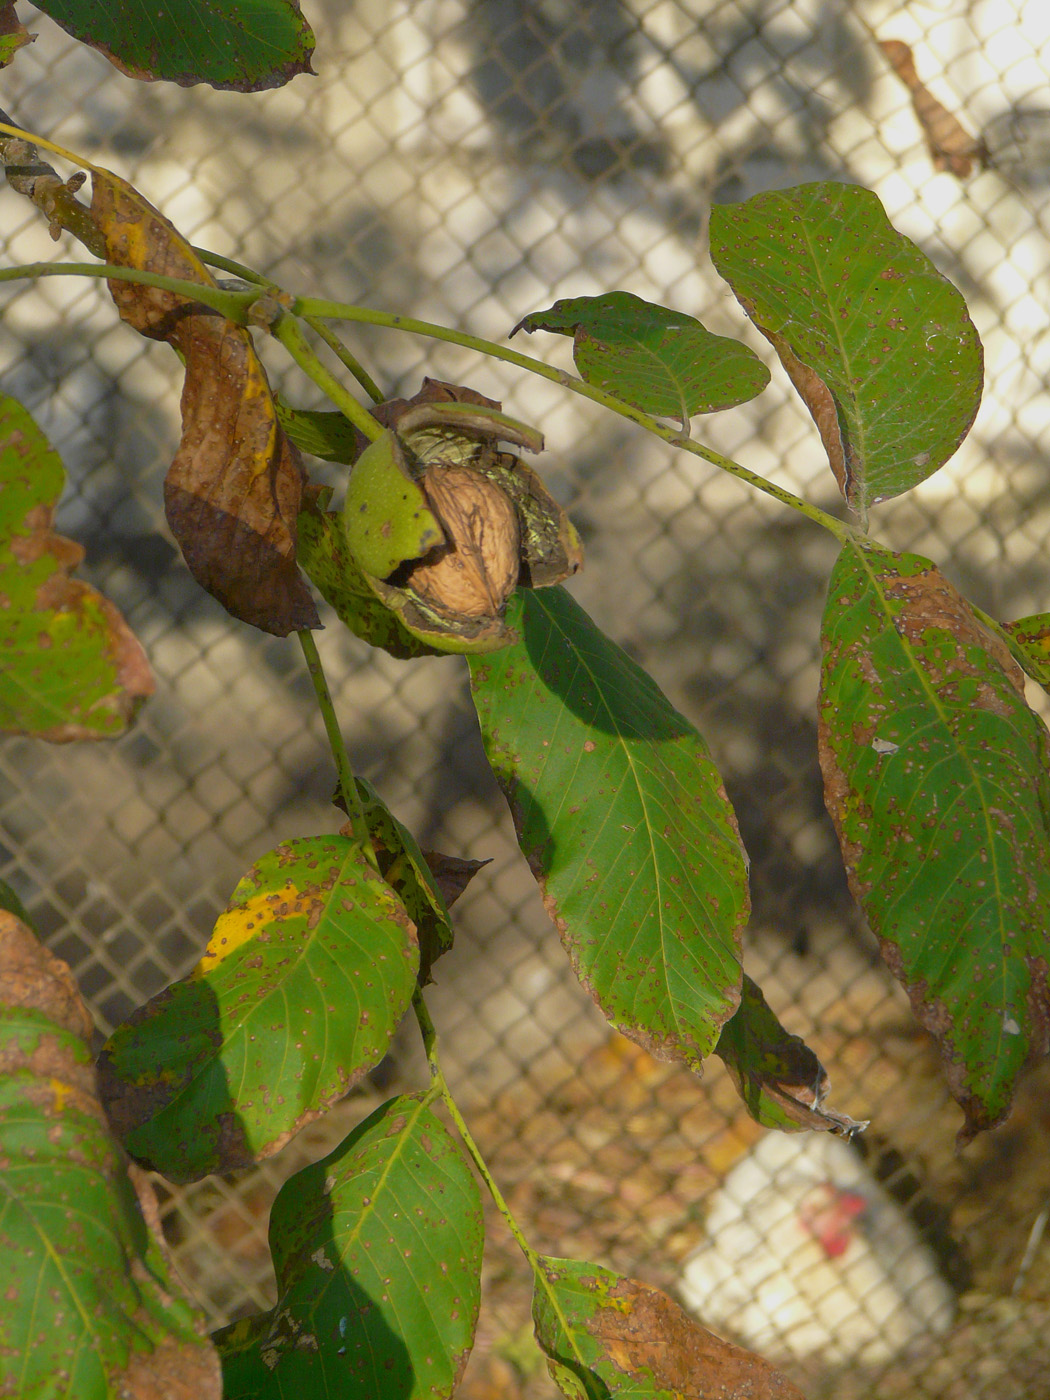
(471,162)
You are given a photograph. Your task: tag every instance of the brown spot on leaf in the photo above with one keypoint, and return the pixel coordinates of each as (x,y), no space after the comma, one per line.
(31,977)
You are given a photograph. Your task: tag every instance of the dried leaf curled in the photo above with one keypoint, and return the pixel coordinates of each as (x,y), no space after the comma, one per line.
(232,493)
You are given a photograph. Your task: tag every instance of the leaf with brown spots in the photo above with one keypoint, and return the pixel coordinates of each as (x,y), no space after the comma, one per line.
(307,975)
(937,777)
(607,1336)
(950,145)
(72,668)
(377,1250)
(230,44)
(777,1075)
(91,1306)
(877,343)
(624,821)
(232,493)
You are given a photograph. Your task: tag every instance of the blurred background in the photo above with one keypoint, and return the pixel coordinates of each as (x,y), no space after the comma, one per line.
(469,161)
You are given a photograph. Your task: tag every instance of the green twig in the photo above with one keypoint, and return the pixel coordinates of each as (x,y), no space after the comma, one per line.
(290,334)
(430,1045)
(235,269)
(344,355)
(345,773)
(427,1031)
(233,305)
(334,310)
(347,357)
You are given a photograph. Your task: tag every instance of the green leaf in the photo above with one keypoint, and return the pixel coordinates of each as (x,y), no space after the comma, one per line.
(323,433)
(937,776)
(91,1310)
(660,361)
(624,821)
(607,1336)
(377,1249)
(876,341)
(13,35)
(780,1080)
(72,668)
(325,557)
(10,902)
(1029,641)
(246,45)
(304,982)
(405,869)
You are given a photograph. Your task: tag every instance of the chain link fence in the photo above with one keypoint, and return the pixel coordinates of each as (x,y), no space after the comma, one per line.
(470,161)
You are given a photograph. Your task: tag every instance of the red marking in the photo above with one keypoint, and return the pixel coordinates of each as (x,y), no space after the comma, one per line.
(828,1214)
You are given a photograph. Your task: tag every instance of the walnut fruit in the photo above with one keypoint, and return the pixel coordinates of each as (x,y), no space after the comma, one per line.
(476,570)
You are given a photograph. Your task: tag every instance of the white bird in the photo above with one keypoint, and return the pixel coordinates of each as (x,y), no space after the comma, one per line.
(807,1254)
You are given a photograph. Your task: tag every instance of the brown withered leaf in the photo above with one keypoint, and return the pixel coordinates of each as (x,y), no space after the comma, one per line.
(606,1334)
(452,874)
(232,493)
(779,1078)
(950,145)
(654,1337)
(33,978)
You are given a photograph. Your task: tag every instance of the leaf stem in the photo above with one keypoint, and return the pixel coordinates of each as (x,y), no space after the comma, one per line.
(430,1044)
(347,357)
(334,310)
(347,785)
(287,330)
(233,305)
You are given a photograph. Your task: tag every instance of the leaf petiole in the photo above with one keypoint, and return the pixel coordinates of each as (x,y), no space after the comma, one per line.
(347,785)
(334,310)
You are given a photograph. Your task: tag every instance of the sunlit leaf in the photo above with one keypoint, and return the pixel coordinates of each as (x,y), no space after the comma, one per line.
(72,668)
(13,34)
(876,341)
(625,823)
(607,1336)
(377,1249)
(661,361)
(91,1310)
(246,45)
(307,975)
(937,776)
